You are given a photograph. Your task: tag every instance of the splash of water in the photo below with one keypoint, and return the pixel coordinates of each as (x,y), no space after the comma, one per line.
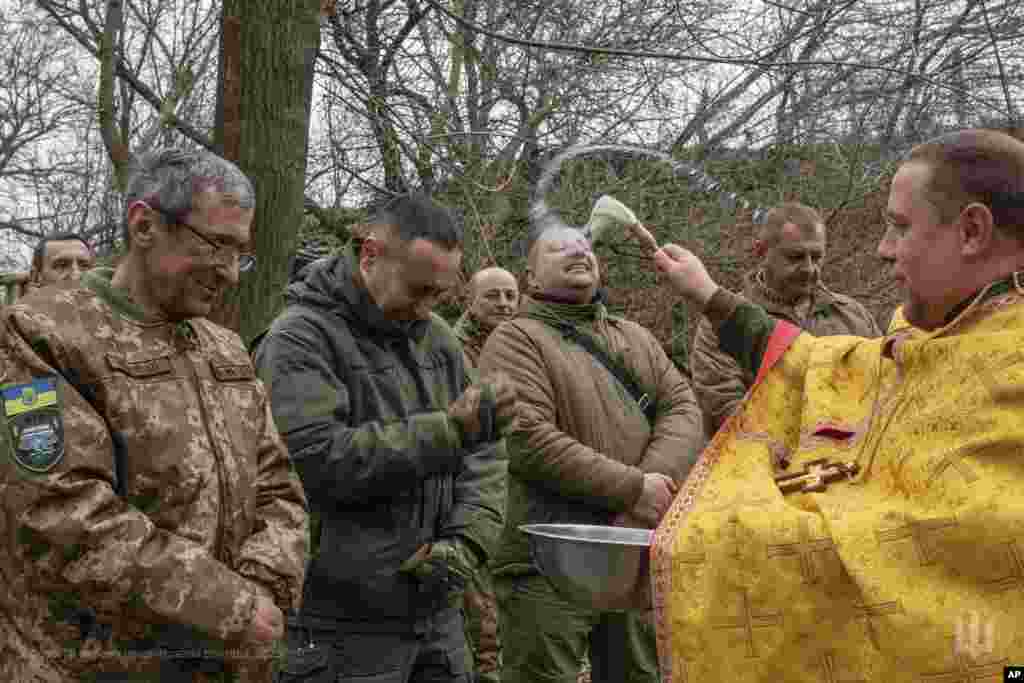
(542,216)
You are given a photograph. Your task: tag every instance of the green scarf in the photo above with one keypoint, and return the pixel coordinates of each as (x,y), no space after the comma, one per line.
(555,313)
(99,281)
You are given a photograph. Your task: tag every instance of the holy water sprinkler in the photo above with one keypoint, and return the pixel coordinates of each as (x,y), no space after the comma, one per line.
(608,212)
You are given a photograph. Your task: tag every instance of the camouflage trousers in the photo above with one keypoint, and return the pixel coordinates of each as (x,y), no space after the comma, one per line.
(548,639)
(480,608)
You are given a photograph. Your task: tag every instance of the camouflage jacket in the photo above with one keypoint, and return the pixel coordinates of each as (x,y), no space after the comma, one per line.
(472,336)
(582,443)
(362,403)
(719,381)
(98,401)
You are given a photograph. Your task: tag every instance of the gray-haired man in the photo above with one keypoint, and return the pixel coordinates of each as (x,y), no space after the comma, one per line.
(152,522)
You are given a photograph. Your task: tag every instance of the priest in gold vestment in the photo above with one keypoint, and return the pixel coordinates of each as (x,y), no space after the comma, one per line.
(861,517)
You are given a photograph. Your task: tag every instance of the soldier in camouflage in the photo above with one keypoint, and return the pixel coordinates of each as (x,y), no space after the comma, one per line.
(791,246)
(493,299)
(399,452)
(154,528)
(63,256)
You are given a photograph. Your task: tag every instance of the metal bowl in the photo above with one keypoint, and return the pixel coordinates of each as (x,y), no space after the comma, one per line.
(594,566)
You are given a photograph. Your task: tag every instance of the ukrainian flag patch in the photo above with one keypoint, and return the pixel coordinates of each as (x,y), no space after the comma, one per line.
(34,422)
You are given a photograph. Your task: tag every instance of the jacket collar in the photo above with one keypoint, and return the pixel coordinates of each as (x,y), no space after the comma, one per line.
(468,329)
(989,291)
(822,299)
(334,284)
(560,314)
(960,314)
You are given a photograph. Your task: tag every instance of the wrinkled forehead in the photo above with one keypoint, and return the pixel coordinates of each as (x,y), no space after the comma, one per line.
(561,236)
(63,248)
(495,279)
(556,238)
(214,196)
(803,237)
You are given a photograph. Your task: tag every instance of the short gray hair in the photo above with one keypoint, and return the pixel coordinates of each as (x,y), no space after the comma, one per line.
(169,179)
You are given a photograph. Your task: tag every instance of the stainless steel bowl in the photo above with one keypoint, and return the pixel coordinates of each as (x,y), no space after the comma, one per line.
(594,566)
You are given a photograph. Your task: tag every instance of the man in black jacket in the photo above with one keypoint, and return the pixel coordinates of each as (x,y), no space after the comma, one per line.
(397,451)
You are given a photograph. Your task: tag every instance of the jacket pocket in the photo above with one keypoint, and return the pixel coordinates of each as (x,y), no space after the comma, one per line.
(306,663)
(154,412)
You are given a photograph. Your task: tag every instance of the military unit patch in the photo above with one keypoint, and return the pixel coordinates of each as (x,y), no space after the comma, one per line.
(33,419)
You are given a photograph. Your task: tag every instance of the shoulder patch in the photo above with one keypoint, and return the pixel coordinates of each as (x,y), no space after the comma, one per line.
(34,423)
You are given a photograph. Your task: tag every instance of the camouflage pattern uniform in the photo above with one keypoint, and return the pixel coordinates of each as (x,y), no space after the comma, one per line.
(211,514)
(361,400)
(719,381)
(480,606)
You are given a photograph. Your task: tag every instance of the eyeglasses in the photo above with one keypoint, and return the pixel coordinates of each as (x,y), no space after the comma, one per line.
(222,253)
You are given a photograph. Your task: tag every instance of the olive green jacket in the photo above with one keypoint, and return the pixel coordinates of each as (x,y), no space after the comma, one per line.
(719,380)
(361,402)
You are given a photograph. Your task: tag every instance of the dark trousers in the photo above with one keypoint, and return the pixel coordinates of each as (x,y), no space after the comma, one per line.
(435,653)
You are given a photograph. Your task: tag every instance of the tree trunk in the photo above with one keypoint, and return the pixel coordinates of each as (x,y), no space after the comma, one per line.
(268,49)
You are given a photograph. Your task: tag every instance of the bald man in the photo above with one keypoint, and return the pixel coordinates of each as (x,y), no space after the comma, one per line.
(494,298)
(791,246)
(598,442)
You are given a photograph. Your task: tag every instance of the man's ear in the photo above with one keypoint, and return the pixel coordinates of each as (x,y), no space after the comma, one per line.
(759,248)
(531,281)
(141,224)
(977,230)
(370,250)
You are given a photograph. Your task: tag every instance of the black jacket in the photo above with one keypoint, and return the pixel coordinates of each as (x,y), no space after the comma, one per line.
(361,403)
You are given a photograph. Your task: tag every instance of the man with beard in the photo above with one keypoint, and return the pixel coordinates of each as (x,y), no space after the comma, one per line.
(154,528)
(494,298)
(399,452)
(859,517)
(64,256)
(791,246)
(592,446)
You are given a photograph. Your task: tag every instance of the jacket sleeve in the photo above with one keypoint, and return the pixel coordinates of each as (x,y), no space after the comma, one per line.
(338,461)
(678,432)
(538,451)
(275,554)
(479,497)
(719,381)
(481,483)
(74,532)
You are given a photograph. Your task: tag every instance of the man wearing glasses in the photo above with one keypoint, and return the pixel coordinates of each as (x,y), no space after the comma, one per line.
(154,526)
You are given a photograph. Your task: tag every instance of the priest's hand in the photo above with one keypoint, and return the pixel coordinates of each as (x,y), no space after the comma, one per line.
(687,274)
(655,499)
